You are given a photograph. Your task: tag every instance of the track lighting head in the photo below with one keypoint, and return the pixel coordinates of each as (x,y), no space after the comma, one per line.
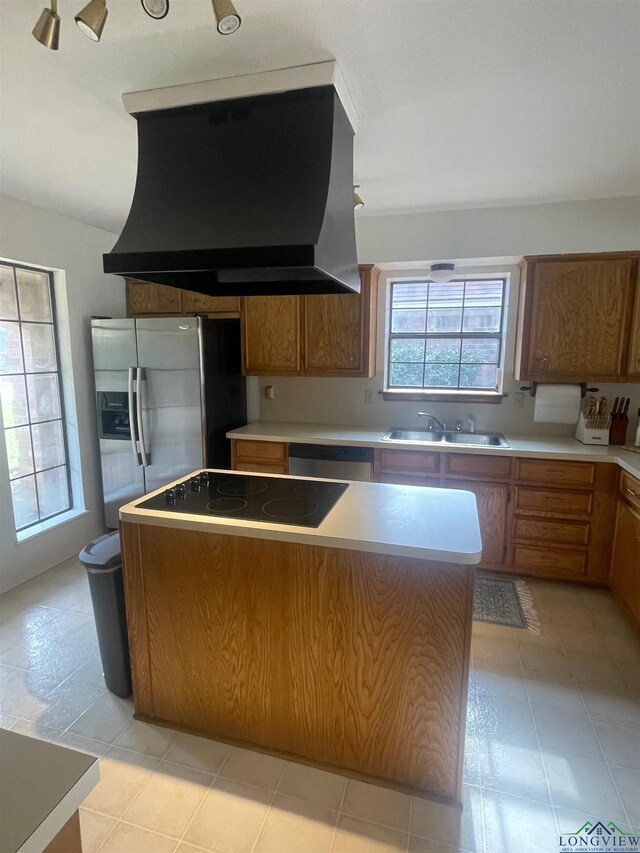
(47,29)
(227,18)
(358,204)
(92,18)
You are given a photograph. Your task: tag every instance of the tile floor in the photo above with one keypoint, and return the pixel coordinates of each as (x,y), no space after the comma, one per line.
(553,739)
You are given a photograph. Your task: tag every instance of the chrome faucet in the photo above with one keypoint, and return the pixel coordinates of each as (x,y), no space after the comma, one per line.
(432,420)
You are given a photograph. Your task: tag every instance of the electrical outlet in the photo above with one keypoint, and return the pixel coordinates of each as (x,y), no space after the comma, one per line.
(518,400)
(368,395)
(269,392)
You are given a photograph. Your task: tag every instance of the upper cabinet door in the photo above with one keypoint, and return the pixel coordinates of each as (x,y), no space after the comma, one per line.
(148,299)
(333,334)
(271,335)
(574,320)
(633,367)
(339,331)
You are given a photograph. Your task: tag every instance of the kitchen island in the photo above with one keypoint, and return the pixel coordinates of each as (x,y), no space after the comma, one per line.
(345,646)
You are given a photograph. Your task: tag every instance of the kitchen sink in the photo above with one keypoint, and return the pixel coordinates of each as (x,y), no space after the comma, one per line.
(415,436)
(480,439)
(462,439)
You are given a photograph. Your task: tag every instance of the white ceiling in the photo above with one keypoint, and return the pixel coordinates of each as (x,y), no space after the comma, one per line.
(462,104)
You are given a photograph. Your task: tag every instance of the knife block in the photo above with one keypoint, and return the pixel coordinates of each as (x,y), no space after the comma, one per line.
(618,430)
(592,430)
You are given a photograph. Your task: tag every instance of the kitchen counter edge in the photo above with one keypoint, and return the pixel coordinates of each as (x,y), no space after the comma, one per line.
(542,447)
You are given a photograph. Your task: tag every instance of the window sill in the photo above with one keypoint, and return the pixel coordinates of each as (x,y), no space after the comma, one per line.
(441,396)
(49,524)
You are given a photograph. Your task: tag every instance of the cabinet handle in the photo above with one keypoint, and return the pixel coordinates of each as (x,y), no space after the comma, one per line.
(635,494)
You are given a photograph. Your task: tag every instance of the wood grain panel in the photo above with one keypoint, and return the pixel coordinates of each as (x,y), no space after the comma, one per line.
(271,335)
(262,451)
(340,330)
(407,462)
(629,489)
(633,362)
(625,563)
(349,660)
(492,501)
(199,303)
(553,562)
(552,472)
(145,299)
(546,530)
(556,502)
(579,316)
(469,465)
(333,334)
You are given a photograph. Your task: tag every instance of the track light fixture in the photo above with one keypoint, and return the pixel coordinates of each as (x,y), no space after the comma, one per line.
(358,204)
(92,18)
(227,18)
(47,28)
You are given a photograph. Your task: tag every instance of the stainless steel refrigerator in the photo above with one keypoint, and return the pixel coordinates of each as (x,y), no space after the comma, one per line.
(167,391)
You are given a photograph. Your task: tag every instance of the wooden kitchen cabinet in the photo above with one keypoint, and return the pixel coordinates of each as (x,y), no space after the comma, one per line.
(544,518)
(159,300)
(144,300)
(625,559)
(492,501)
(633,365)
(199,303)
(266,457)
(333,335)
(271,336)
(576,316)
(340,330)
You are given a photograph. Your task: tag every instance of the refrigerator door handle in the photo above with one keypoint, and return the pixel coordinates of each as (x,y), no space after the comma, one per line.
(143,447)
(133,426)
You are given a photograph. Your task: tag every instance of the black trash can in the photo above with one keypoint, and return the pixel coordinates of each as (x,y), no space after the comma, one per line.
(103,563)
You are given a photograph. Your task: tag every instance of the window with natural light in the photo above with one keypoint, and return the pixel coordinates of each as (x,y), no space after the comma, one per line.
(446,336)
(31,391)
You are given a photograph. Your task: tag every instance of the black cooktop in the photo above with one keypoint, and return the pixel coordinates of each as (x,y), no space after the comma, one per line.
(304,503)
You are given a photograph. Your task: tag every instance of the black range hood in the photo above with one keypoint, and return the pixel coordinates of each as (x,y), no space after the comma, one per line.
(243,197)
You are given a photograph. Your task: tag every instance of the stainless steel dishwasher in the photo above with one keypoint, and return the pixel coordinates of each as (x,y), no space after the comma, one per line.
(331,461)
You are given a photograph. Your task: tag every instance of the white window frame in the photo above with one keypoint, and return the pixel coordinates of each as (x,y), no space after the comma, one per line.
(504,268)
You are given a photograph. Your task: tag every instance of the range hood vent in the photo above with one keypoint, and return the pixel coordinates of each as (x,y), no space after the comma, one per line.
(244,196)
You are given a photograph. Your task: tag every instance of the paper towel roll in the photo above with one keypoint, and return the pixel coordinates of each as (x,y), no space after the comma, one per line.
(557,404)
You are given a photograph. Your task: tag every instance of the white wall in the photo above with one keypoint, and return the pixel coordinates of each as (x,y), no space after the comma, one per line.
(35,236)
(510,232)
(597,225)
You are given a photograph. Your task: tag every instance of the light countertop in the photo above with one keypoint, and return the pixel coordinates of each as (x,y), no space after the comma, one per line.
(406,521)
(521,445)
(42,785)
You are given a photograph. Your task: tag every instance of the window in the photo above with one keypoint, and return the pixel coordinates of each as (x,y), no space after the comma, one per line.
(32,404)
(446,336)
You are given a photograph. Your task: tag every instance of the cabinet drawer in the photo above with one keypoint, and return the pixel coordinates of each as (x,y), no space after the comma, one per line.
(548,530)
(629,489)
(261,451)
(469,465)
(558,472)
(546,500)
(406,480)
(546,561)
(411,463)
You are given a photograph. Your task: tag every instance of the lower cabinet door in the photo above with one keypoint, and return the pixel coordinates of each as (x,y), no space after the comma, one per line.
(492,500)
(625,564)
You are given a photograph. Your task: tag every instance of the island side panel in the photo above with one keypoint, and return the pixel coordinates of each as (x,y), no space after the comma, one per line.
(342,658)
